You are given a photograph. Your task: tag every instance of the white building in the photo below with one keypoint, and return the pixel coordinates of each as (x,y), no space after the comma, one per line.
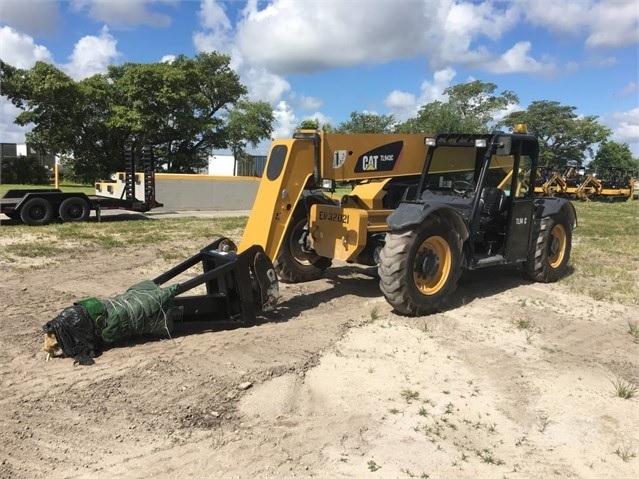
(221,165)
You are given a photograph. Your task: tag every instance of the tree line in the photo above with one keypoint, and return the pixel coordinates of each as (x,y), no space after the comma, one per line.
(190,107)
(185,109)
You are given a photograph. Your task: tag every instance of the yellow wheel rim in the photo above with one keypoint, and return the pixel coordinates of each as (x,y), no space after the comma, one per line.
(557,246)
(432,265)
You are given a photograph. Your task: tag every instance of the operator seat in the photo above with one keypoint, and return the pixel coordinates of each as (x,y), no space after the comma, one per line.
(492,204)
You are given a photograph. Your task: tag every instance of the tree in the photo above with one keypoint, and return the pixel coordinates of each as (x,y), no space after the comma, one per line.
(471,108)
(563,136)
(436,117)
(477,103)
(314,124)
(614,155)
(367,123)
(248,123)
(180,108)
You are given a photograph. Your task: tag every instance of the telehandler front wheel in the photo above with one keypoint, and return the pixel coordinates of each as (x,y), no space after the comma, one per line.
(549,260)
(419,268)
(294,264)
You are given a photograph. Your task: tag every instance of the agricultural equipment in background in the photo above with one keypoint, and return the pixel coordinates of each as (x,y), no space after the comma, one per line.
(550,183)
(136,192)
(611,184)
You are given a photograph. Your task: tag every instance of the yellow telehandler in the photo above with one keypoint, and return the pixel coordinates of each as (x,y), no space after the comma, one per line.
(422,208)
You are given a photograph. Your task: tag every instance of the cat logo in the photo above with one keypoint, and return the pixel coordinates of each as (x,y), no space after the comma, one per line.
(369,163)
(382,158)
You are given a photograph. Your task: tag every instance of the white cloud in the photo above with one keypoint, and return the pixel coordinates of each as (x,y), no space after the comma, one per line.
(434,91)
(9,131)
(124,13)
(263,85)
(625,128)
(605,23)
(285,120)
(20,50)
(302,37)
(216,34)
(306,102)
(34,17)
(216,30)
(615,23)
(518,60)
(167,59)
(295,37)
(92,55)
(630,88)
(399,101)
(404,105)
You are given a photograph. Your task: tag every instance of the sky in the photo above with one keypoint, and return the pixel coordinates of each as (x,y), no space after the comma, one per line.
(324,59)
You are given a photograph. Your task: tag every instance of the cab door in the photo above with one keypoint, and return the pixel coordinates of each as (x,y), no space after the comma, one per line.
(520,221)
(519,229)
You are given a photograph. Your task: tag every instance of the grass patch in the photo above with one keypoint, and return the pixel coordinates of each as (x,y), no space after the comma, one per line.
(33,250)
(604,255)
(624,389)
(625,453)
(174,238)
(410,395)
(633,330)
(65,186)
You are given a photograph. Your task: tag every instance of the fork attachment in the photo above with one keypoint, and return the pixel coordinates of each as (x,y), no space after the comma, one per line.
(238,286)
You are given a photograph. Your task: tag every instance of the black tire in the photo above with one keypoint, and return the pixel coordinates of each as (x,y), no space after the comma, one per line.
(74,209)
(36,212)
(549,260)
(419,268)
(292,264)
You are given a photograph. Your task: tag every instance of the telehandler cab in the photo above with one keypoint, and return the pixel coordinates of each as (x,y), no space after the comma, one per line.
(421,209)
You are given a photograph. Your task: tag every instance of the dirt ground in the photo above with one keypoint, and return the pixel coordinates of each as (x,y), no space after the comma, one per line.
(515,380)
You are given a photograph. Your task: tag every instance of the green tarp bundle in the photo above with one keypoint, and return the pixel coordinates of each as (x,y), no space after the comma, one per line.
(142,309)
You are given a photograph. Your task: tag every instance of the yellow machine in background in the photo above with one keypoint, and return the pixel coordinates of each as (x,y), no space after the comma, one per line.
(613,184)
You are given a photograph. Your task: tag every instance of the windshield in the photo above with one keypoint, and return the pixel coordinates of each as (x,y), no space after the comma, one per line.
(452,167)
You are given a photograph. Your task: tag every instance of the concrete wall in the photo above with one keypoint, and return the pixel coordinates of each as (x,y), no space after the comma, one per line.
(204,192)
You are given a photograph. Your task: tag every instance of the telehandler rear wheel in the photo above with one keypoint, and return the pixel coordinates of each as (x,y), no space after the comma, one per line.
(549,260)
(293,264)
(419,268)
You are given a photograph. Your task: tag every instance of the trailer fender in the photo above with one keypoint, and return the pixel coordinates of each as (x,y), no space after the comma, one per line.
(545,207)
(408,215)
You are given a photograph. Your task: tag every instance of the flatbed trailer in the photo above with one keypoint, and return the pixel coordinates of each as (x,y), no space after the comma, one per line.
(41,206)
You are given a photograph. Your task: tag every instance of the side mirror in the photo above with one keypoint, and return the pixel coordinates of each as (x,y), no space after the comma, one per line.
(503,145)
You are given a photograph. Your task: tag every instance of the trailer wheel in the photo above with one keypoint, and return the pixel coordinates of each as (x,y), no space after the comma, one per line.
(549,260)
(419,268)
(36,212)
(74,209)
(293,264)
